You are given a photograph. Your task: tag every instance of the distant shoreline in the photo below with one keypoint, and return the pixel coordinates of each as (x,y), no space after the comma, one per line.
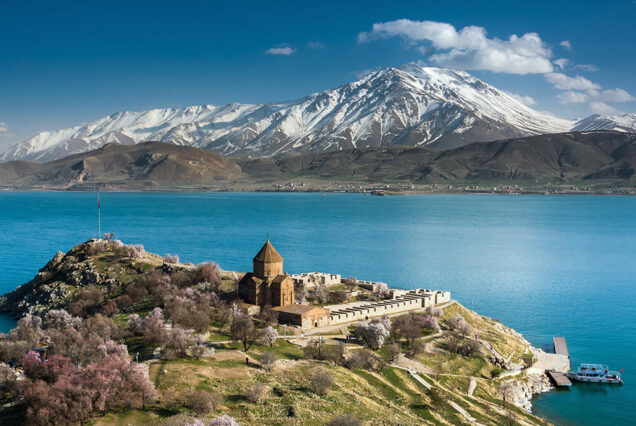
(387,193)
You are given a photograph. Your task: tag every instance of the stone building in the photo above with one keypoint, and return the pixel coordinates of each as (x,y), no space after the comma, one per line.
(267,285)
(303,316)
(310,279)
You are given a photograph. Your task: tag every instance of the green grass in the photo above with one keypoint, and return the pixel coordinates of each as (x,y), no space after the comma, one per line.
(218,336)
(145,267)
(136,345)
(391,375)
(282,348)
(475,366)
(388,391)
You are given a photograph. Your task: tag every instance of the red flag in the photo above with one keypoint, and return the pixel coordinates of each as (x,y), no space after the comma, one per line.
(98,203)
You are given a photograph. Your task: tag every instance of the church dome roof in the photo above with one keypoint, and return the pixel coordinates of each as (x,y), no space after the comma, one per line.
(268,254)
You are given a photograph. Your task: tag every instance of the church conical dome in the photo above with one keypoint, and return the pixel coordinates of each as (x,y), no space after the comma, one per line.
(268,254)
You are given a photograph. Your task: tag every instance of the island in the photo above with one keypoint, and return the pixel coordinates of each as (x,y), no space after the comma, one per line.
(112,334)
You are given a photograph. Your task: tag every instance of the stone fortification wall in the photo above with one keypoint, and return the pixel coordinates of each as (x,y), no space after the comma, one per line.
(404,301)
(310,279)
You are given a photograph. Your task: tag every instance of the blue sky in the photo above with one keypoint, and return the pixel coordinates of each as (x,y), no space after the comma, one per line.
(68,62)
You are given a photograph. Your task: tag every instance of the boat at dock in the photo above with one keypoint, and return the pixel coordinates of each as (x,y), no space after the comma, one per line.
(595,373)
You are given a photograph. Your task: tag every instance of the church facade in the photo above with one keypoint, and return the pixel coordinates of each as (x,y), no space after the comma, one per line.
(267,285)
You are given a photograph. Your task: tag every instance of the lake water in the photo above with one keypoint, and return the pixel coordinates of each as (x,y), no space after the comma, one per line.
(544,265)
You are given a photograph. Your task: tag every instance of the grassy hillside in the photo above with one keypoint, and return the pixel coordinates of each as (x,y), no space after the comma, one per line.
(122,287)
(390,396)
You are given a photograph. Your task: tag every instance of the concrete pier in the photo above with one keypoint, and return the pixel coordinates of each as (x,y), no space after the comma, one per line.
(560,347)
(559,379)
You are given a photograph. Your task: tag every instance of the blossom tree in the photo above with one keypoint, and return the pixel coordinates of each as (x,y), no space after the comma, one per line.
(300,293)
(373,334)
(270,335)
(243,330)
(60,319)
(321,293)
(433,311)
(430,323)
(459,324)
(7,380)
(224,420)
(32,365)
(381,290)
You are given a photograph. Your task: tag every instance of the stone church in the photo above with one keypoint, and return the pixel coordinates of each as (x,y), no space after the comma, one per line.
(267,285)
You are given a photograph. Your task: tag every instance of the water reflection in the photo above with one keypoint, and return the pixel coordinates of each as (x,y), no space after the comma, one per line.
(7,322)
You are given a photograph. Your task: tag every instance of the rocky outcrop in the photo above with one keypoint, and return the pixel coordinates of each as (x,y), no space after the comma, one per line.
(523,390)
(55,285)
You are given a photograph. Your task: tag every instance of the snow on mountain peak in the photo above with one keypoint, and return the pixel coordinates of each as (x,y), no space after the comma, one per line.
(621,123)
(410,105)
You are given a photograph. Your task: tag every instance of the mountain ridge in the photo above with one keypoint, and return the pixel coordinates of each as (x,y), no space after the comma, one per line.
(622,122)
(409,105)
(582,158)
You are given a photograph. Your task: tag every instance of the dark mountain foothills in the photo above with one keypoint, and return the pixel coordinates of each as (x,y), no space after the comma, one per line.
(566,158)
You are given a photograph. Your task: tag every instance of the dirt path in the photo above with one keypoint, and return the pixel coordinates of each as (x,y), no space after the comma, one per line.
(471,386)
(454,405)
(405,363)
(464,413)
(458,408)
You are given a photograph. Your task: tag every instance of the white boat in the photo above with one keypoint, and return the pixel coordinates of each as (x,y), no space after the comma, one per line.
(595,373)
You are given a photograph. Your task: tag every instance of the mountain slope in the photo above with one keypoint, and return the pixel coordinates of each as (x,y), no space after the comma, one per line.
(147,163)
(556,158)
(410,105)
(621,123)
(576,157)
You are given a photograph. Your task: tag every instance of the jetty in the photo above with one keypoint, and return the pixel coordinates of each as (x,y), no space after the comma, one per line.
(559,379)
(560,347)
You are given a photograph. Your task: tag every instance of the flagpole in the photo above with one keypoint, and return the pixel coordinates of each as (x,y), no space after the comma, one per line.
(99,218)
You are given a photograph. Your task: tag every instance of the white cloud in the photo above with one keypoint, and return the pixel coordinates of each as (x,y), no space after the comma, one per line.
(3,127)
(526,100)
(572,97)
(469,48)
(280,51)
(616,95)
(586,67)
(565,82)
(610,95)
(561,63)
(603,108)
(317,45)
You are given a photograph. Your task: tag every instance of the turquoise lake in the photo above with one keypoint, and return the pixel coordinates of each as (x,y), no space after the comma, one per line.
(544,265)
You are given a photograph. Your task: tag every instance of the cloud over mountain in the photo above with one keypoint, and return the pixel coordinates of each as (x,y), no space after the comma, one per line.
(565,82)
(470,48)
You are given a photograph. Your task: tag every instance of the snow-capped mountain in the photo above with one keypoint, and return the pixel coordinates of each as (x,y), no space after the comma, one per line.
(410,105)
(621,123)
